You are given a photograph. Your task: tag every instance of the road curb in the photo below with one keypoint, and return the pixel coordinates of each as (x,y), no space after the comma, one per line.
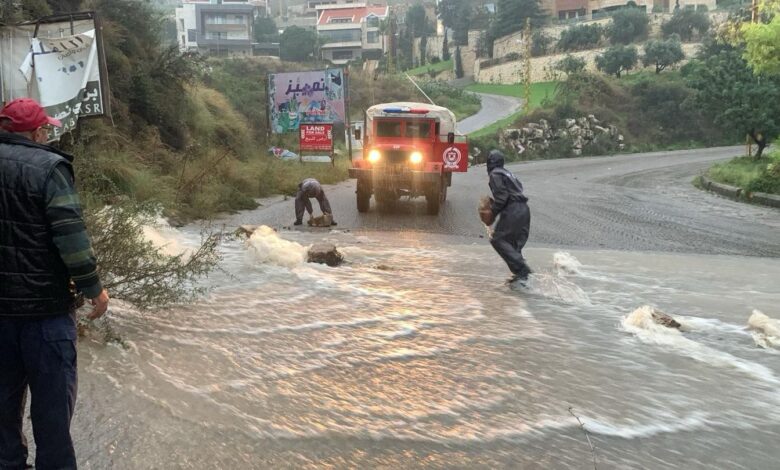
(737,194)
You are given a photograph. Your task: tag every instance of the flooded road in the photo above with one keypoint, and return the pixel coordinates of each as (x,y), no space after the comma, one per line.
(416,355)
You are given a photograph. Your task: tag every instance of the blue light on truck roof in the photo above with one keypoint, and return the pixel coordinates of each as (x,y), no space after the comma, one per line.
(405,110)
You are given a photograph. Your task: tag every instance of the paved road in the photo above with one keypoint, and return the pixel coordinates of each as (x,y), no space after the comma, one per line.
(494,108)
(639,202)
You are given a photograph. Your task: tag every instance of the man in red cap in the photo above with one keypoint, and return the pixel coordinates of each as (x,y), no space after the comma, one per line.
(44,251)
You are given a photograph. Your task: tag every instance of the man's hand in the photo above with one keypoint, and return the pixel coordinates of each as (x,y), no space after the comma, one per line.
(101,305)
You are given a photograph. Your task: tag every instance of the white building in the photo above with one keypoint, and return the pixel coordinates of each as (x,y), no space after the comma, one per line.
(350,31)
(217,27)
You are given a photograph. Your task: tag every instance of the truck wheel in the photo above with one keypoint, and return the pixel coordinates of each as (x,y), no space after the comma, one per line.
(363,201)
(363,197)
(434,200)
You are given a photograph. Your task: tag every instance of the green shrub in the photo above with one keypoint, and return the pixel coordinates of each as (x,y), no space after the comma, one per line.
(628,25)
(686,24)
(571,65)
(580,37)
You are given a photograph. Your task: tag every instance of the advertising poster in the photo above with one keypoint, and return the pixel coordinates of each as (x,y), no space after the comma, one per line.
(316,137)
(305,98)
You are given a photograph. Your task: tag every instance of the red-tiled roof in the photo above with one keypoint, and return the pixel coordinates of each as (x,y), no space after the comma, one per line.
(356,15)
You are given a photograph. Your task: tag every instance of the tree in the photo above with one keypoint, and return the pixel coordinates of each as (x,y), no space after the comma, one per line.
(458,64)
(511,16)
(762,40)
(686,24)
(423,49)
(457,14)
(265,29)
(628,25)
(417,21)
(663,53)
(580,37)
(540,43)
(445,48)
(739,101)
(617,59)
(297,44)
(571,65)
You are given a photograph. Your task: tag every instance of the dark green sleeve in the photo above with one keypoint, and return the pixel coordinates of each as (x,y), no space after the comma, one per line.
(64,214)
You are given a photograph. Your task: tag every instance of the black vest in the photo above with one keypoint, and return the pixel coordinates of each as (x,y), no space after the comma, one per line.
(33,277)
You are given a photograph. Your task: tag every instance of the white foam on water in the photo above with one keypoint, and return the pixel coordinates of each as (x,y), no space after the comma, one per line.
(641,324)
(269,247)
(566,263)
(696,421)
(765,330)
(165,238)
(557,288)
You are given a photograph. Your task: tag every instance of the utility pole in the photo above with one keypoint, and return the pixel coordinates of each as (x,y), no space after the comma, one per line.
(527,71)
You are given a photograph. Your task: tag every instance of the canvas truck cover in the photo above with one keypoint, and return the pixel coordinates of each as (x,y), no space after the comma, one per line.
(443,115)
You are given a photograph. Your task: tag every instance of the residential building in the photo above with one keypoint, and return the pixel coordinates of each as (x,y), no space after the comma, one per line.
(350,31)
(217,27)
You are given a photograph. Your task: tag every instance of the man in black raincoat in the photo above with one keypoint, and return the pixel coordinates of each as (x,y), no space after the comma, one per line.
(510,205)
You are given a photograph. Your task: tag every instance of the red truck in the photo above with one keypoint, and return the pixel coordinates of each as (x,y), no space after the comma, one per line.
(409,150)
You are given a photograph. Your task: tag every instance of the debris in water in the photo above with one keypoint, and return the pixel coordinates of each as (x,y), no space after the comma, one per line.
(766,331)
(644,317)
(325,253)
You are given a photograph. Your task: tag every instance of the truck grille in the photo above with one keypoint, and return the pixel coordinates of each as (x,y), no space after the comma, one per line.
(394,157)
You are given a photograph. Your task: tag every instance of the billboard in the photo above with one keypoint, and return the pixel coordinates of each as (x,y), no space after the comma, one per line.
(57,61)
(305,98)
(316,137)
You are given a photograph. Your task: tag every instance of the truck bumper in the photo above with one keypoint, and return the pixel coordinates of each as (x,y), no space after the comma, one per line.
(397,180)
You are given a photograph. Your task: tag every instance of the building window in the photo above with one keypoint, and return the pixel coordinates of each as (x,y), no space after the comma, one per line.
(340,20)
(372,21)
(344,35)
(372,37)
(342,55)
(218,35)
(181,23)
(192,35)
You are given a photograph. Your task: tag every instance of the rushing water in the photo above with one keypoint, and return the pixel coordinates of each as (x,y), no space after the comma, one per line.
(417,355)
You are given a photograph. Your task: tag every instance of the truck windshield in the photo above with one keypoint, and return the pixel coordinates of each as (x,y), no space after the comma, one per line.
(388,128)
(418,129)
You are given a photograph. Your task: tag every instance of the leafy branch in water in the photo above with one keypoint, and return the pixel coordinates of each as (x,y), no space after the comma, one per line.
(587,436)
(135,270)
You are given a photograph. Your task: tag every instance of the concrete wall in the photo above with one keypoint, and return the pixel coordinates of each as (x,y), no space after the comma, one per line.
(543,68)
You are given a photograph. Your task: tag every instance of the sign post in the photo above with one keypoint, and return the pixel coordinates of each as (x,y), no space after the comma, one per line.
(315,137)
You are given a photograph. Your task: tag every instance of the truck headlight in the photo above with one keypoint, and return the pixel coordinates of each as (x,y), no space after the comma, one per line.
(374,156)
(416,157)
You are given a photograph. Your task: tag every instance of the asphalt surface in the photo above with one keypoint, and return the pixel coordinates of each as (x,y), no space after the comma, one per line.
(638,202)
(494,108)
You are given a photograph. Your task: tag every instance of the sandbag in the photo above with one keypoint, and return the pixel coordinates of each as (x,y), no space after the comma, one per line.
(485,212)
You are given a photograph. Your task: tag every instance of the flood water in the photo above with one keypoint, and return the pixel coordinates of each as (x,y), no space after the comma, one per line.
(417,355)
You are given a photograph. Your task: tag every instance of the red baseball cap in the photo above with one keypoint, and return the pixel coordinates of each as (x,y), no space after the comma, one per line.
(25,115)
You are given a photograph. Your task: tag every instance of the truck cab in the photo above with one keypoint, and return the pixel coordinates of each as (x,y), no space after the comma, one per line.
(409,150)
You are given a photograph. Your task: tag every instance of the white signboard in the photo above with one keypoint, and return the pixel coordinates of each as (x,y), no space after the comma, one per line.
(64,74)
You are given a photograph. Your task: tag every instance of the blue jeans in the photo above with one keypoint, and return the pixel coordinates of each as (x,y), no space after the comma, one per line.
(40,354)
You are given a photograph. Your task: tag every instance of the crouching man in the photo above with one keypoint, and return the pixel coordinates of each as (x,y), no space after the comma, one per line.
(307,189)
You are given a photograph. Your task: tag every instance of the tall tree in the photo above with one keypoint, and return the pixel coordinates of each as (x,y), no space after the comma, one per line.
(762,39)
(417,21)
(458,64)
(265,29)
(739,101)
(297,44)
(511,16)
(423,49)
(445,47)
(457,14)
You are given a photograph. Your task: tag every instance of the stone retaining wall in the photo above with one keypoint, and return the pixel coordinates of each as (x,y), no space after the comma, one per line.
(543,69)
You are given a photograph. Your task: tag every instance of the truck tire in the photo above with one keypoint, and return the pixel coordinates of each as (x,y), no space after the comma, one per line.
(363,201)
(363,197)
(434,199)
